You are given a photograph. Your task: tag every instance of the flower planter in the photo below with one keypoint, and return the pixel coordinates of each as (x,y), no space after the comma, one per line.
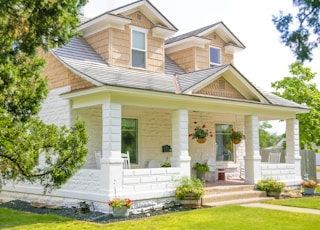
(309,191)
(121,211)
(201,175)
(190,202)
(236,141)
(201,140)
(274,194)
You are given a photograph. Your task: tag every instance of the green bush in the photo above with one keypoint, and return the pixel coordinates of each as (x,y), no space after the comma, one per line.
(189,187)
(201,167)
(270,185)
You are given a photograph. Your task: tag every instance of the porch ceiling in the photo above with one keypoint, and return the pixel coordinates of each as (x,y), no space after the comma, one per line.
(144,98)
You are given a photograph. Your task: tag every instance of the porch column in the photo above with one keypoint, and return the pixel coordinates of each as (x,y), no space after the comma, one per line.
(293,147)
(111,161)
(180,142)
(252,158)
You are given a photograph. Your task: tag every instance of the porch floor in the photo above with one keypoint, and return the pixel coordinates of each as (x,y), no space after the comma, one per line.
(231,181)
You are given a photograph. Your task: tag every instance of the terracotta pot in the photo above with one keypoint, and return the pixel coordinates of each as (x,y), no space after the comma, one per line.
(201,140)
(120,212)
(236,141)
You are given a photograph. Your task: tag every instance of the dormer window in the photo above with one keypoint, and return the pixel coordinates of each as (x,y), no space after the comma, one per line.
(215,56)
(138,47)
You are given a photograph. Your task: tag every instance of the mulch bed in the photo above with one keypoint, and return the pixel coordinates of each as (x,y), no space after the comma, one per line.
(92,216)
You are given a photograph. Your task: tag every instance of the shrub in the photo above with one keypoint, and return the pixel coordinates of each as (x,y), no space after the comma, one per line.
(270,185)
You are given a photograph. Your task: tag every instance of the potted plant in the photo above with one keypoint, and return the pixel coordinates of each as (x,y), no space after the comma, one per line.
(271,186)
(201,169)
(120,207)
(309,187)
(200,133)
(190,191)
(236,136)
(166,165)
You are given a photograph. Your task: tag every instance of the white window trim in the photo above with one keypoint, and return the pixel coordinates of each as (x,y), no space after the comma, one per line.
(142,30)
(139,138)
(212,63)
(234,152)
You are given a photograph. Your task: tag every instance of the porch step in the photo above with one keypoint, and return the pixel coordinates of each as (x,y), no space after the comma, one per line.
(234,194)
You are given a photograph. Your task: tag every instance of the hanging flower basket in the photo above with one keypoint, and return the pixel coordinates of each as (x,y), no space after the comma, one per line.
(236,136)
(236,141)
(201,140)
(200,133)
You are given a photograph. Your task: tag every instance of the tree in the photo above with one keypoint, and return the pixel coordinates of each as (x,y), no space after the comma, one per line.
(299,88)
(25,26)
(297,31)
(265,138)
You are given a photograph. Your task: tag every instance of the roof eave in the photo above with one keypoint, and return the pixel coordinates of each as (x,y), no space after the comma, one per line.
(193,41)
(103,22)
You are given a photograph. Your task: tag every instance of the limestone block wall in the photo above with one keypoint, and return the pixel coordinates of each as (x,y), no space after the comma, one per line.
(93,118)
(54,109)
(154,132)
(282,172)
(149,183)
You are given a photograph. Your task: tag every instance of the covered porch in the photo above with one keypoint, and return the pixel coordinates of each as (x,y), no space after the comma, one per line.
(160,123)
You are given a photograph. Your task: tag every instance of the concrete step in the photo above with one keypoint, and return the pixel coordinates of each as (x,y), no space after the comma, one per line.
(238,201)
(228,188)
(216,197)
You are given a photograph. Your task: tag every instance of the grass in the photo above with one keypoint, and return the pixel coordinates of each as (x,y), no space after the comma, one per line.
(305,202)
(226,217)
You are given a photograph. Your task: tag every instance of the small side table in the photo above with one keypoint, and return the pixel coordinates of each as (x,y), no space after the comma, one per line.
(221,174)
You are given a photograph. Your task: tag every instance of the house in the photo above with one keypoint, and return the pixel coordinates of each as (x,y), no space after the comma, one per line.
(140,88)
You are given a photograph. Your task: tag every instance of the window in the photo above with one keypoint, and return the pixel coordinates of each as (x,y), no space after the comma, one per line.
(129,138)
(224,144)
(138,50)
(215,56)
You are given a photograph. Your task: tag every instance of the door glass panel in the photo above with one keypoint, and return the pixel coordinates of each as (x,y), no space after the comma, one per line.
(129,138)
(224,144)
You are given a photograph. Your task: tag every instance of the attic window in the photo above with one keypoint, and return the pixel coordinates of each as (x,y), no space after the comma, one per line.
(138,47)
(215,56)
(139,16)
(222,84)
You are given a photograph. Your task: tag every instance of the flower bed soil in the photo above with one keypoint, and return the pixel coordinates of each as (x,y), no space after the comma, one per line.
(92,216)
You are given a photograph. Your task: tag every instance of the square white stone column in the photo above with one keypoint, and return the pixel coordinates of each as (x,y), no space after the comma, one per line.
(293,147)
(252,158)
(111,161)
(180,142)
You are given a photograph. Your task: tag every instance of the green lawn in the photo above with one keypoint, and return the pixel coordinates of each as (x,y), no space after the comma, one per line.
(305,202)
(227,217)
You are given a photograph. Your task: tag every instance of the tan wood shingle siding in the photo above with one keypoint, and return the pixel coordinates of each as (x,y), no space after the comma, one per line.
(59,76)
(193,59)
(114,45)
(120,47)
(100,43)
(214,89)
(184,58)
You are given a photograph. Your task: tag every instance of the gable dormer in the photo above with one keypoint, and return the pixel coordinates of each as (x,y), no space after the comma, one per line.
(130,36)
(206,47)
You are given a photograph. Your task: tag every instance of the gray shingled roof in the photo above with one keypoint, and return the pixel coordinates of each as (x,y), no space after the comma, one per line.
(171,67)
(190,79)
(190,34)
(81,58)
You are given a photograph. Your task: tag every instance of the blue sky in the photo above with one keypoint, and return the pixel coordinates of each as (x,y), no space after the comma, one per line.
(264,60)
